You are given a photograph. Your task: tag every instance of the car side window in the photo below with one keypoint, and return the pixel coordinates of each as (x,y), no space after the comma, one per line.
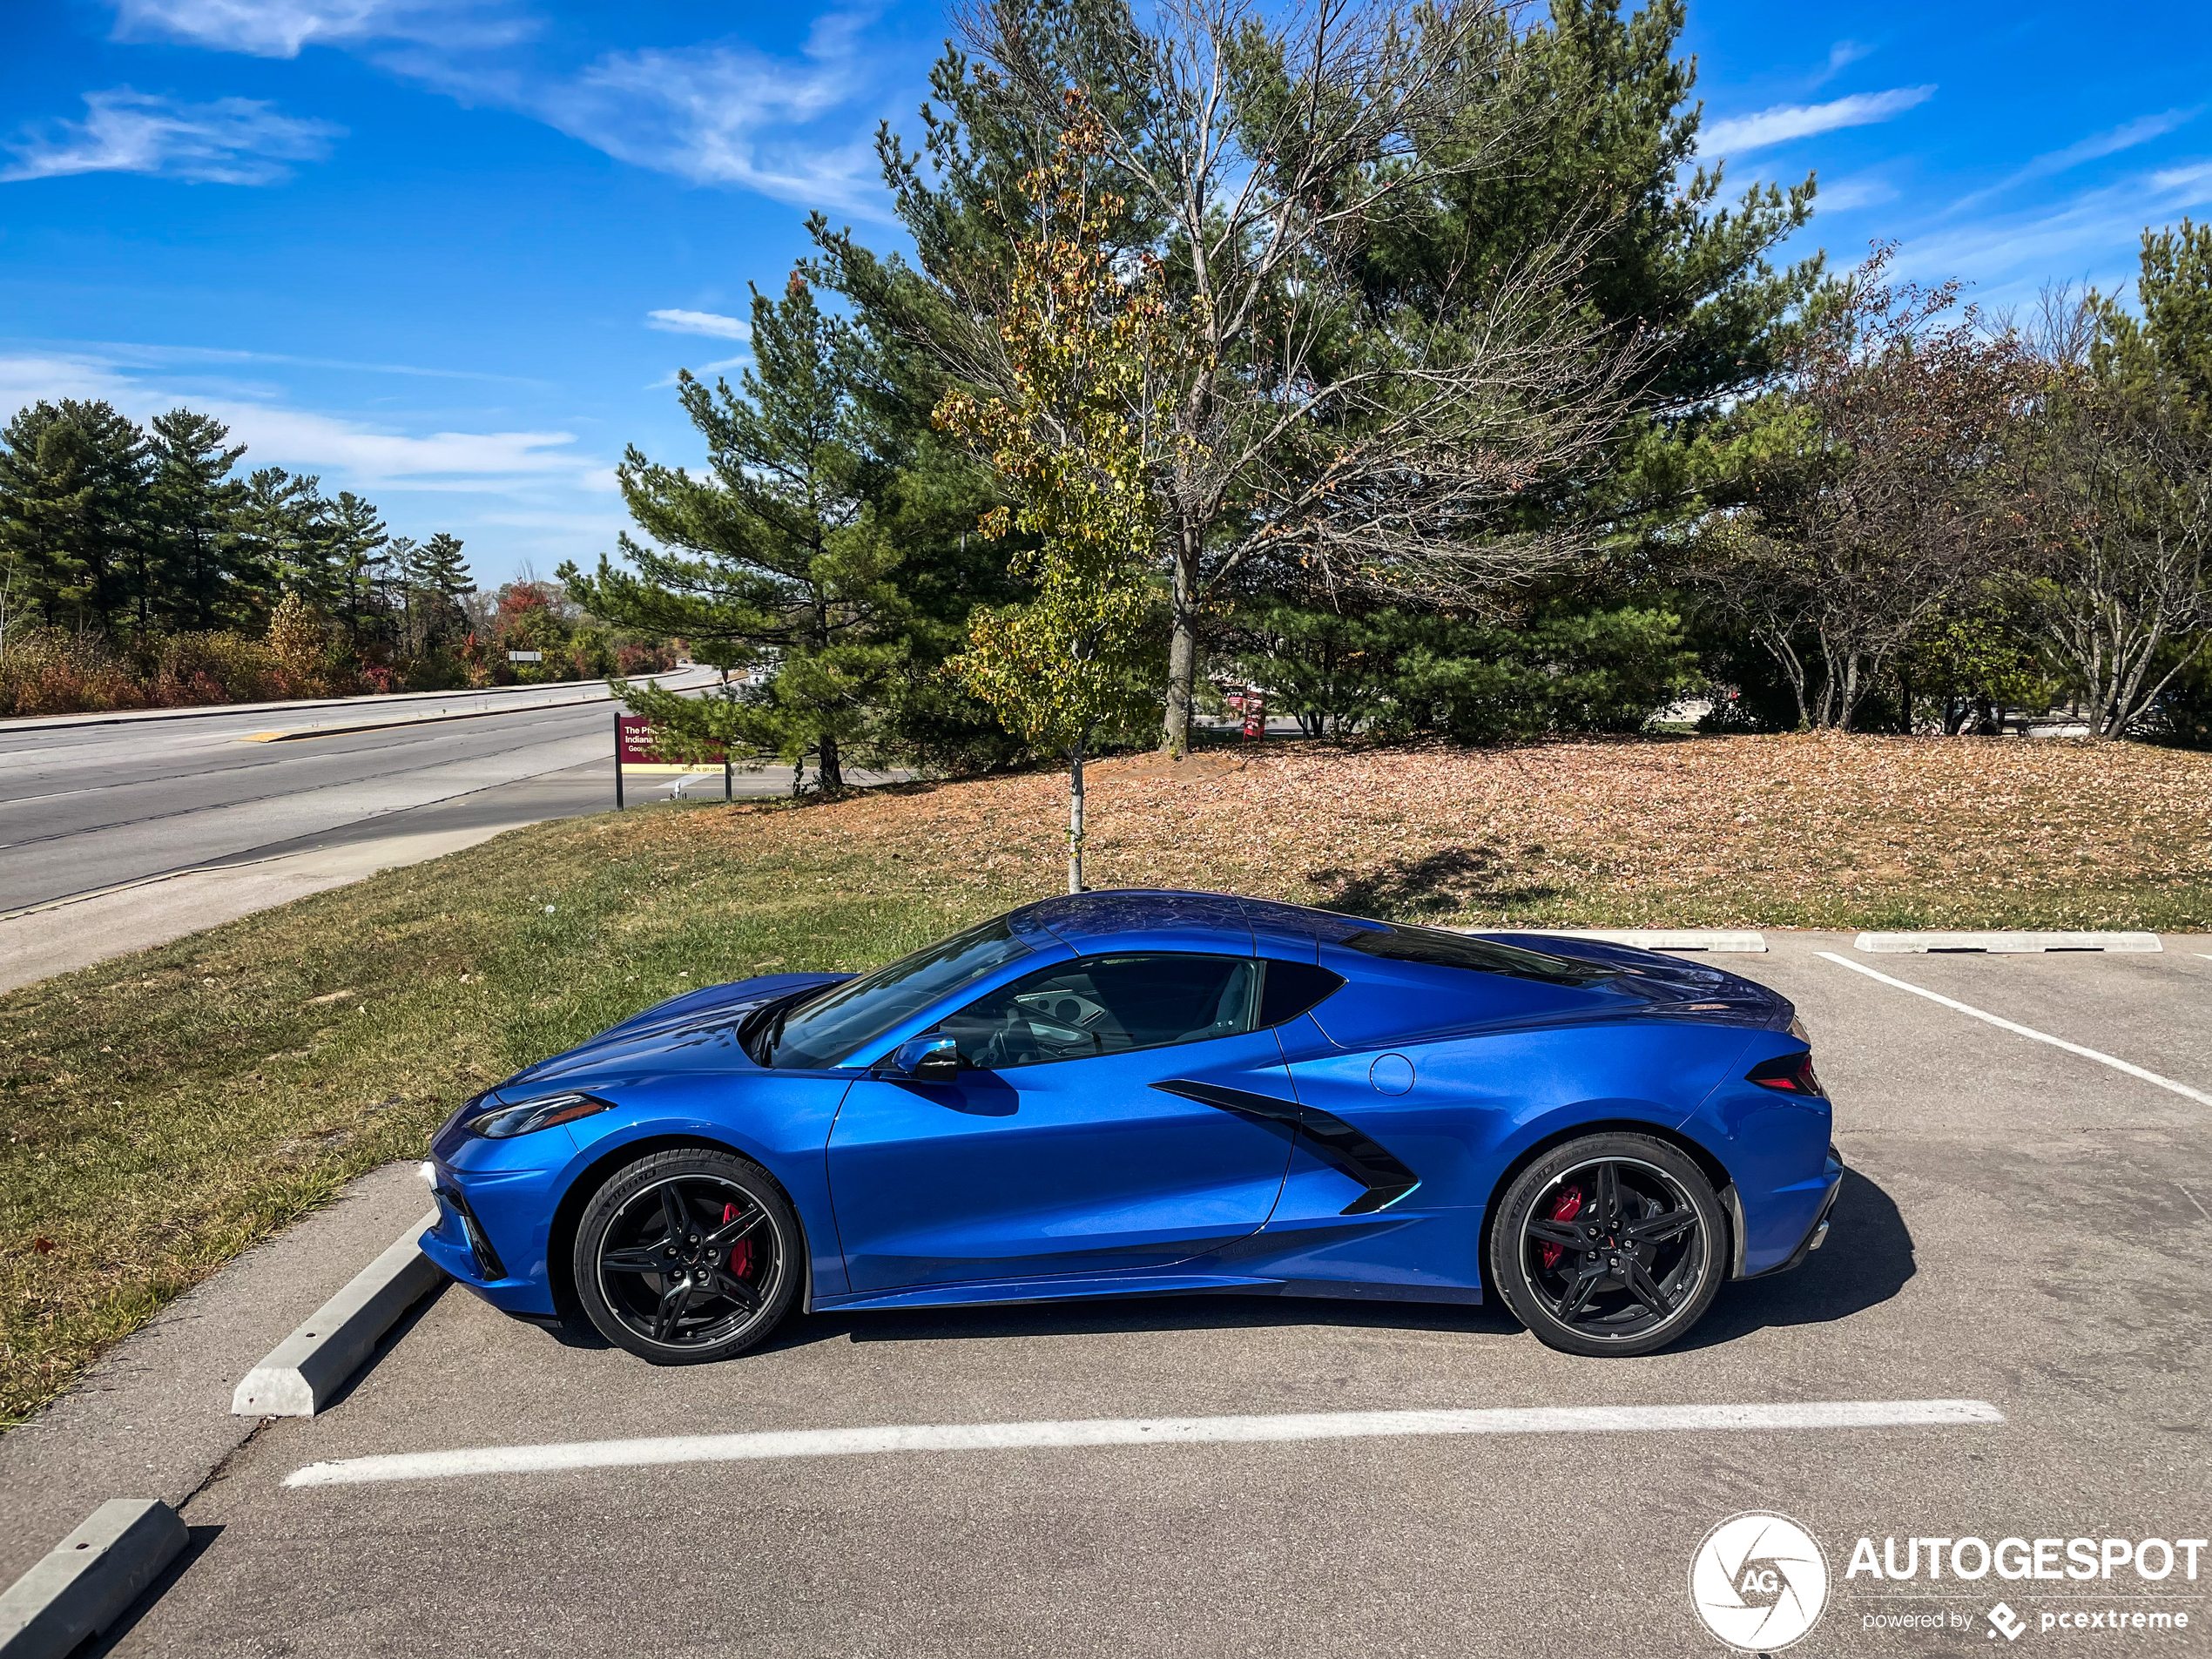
(1102,1005)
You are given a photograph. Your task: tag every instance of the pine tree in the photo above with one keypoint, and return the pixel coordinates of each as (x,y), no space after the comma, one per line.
(358,541)
(72,511)
(781,557)
(200,580)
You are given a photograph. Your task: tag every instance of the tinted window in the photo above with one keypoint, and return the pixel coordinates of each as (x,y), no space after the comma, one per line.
(1442,949)
(1101,1005)
(1293,987)
(828,1030)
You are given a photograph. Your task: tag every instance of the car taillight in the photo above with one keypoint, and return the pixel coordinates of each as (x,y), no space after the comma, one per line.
(1788,1073)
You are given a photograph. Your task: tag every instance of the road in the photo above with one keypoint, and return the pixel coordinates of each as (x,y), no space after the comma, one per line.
(89,808)
(2022,1224)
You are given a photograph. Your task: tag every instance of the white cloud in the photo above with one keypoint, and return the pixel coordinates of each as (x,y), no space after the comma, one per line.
(700,322)
(280,28)
(1841,57)
(1740,135)
(714,114)
(231,141)
(362,454)
(2094,234)
(468,460)
(2096,146)
(1846,195)
(723,115)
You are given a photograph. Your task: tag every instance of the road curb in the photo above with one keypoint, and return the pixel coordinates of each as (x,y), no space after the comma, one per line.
(88,1580)
(346,727)
(1716,939)
(304,1370)
(2002,943)
(210,711)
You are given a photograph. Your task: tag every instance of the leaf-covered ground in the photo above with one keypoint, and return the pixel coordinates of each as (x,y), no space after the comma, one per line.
(162,1112)
(1805,831)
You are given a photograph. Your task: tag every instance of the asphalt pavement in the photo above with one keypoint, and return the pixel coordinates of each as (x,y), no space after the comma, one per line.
(2023,1224)
(123,833)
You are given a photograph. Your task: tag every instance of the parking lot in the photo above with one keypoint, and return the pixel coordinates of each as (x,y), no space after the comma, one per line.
(2023,1225)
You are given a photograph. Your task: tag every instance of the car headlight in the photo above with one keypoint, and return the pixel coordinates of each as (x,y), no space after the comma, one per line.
(505,1122)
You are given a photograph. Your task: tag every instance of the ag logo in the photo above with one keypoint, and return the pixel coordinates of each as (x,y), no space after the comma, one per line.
(1758,1581)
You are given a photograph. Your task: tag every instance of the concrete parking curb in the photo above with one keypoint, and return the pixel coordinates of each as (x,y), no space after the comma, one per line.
(1701,939)
(88,1580)
(304,1370)
(2002,943)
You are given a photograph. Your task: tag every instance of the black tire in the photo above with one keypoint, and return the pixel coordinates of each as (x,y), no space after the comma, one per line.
(1611,1246)
(687,1256)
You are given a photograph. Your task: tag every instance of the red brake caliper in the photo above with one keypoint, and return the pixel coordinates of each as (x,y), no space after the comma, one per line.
(740,1252)
(1566,1208)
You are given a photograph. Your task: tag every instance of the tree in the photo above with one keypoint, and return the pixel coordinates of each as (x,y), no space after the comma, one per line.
(1618,140)
(1315,431)
(2117,577)
(357,540)
(72,511)
(195,506)
(778,557)
(433,580)
(1882,487)
(1085,352)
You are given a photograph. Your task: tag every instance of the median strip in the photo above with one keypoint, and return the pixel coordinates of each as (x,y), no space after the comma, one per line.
(1156,1431)
(297,733)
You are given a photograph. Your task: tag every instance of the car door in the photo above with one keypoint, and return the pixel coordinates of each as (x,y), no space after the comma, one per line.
(1057,1150)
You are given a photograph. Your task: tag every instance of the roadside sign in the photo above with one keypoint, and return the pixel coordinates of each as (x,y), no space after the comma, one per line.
(525,656)
(634,751)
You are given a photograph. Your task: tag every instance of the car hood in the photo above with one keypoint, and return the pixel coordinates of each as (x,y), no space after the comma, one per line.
(708,1016)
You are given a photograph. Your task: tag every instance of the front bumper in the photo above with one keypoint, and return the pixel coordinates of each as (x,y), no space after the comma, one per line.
(494,1220)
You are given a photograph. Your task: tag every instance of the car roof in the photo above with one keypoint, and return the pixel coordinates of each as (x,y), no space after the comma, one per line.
(1166,918)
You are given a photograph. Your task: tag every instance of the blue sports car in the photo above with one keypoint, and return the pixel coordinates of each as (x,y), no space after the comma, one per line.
(1137,1092)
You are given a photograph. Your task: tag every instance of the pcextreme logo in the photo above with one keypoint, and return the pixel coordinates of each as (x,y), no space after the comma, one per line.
(1758,1581)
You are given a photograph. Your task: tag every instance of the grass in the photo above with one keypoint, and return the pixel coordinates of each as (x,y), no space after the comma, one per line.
(166,1110)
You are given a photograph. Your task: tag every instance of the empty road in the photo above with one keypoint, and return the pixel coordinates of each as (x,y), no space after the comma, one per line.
(121,833)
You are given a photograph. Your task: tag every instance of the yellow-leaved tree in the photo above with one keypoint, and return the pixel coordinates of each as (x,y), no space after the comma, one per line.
(1074,444)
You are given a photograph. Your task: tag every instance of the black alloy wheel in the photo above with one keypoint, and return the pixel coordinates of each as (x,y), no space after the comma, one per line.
(687,1256)
(1612,1245)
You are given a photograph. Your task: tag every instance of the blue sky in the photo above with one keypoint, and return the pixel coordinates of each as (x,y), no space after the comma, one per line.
(450,253)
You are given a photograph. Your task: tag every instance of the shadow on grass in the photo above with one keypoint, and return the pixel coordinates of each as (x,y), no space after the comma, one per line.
(1442,883)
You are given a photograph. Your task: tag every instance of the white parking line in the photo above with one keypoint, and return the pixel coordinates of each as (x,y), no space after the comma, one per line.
(1157,1431)
(2029,1031)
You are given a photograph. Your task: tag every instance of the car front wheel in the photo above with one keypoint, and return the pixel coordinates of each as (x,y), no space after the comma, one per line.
(1614,1244)
(687,1256)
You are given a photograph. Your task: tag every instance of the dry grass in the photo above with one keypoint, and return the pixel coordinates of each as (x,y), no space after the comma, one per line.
(162,1112)
(1811,832)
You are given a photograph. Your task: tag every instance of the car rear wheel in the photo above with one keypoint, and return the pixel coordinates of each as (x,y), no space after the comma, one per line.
(1613,1244)
(687,1256)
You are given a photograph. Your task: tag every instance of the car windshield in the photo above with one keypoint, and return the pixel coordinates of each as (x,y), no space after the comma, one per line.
(826,1031)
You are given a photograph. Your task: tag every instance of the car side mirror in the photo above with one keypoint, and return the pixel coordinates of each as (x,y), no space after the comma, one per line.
(930,1058)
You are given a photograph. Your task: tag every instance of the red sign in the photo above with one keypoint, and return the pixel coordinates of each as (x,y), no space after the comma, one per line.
(636,749)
